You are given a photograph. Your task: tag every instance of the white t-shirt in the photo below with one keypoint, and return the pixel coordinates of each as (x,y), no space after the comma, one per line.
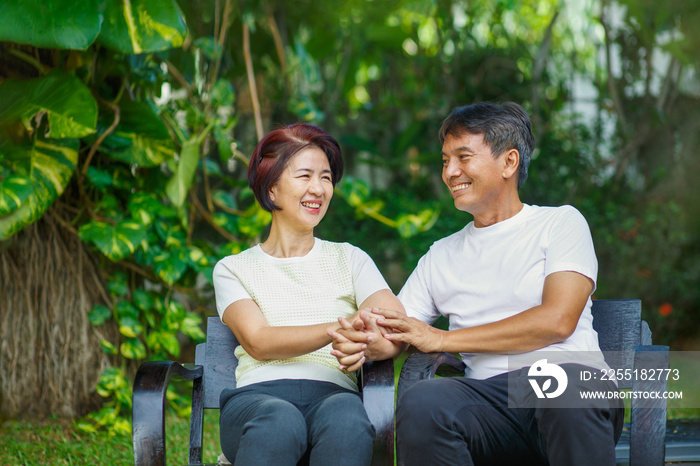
(330,281)
(482,275)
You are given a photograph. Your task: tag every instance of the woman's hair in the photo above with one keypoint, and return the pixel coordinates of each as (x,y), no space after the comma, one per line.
(273,152)
(503,126)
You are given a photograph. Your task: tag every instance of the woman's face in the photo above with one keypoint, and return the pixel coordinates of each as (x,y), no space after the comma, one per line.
(304,190)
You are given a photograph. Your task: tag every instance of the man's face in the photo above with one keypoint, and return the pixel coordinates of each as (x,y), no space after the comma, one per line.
(472,174)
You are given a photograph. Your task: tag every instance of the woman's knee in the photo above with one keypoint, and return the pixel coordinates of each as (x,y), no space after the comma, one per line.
(260,423)
(342,414)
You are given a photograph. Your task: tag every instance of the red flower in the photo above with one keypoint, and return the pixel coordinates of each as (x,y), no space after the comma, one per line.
(665,309)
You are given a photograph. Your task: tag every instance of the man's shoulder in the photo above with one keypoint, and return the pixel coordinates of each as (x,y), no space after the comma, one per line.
(449,241)
(554,212)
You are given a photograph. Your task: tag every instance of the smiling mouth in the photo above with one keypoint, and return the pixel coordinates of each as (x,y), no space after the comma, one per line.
(311,205)
(459,186)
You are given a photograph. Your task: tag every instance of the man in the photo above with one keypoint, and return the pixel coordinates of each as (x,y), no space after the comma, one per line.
(518,279)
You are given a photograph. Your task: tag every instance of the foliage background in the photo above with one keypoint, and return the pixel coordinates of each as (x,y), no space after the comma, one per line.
(126,127)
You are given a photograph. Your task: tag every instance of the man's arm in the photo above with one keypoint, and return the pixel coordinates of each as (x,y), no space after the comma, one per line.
(563,299)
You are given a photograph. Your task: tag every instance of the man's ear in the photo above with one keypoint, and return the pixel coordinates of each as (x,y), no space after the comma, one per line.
(511,162)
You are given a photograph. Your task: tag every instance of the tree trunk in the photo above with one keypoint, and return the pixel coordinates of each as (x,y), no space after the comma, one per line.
(50,354)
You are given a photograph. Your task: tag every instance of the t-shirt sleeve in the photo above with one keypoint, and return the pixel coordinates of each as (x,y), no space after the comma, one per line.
(415,294)
(366,277)
(571,246)
(227,287)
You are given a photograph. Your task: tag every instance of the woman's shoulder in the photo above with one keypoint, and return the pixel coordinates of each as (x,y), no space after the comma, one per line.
(246,255)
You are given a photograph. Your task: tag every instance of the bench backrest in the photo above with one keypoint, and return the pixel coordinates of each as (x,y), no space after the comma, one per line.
(216,355)
(618,322)
(620,330)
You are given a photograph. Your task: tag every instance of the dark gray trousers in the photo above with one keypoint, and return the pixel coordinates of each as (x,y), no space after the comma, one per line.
(285,422)
(460,421)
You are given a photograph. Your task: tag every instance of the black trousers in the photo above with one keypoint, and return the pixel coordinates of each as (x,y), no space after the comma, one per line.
(460,421)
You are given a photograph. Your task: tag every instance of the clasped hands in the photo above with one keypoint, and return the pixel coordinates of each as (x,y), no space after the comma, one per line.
(376,334)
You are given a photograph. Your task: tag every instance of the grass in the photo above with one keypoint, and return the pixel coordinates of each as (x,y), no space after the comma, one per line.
(55,441)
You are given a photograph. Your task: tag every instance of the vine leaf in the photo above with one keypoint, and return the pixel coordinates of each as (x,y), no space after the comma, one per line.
(138,26)
(114,241)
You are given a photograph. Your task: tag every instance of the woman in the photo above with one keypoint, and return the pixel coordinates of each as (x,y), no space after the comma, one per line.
(282,299)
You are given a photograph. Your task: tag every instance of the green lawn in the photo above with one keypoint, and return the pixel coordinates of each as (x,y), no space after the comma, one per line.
(55,441)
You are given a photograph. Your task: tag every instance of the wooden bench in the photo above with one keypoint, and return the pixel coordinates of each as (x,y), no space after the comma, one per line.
(213,370)
(626,343)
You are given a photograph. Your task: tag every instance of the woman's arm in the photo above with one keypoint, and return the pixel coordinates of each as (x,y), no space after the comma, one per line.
(264,342)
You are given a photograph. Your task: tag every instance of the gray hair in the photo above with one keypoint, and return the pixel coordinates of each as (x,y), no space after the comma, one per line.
(503,126)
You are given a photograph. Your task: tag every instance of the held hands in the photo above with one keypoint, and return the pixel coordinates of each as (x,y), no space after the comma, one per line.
(424,337)
(359,339)
(381,334)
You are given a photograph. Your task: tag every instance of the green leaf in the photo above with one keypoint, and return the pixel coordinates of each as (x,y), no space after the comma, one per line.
(255,221)
(353,190)
(130,327)
(133,348)
(170,343)
(99,315)
(59,24)
(225,199)
(144,207)
(117,284)
(101,179)
(68,103)
(192,327)
(53,163)
(209,47)
(124,309)
(179,185)
(171,265)
(14,190)
(141,137)
(143,300)
(108,347)
(114,241)
(174,316)
(138,26)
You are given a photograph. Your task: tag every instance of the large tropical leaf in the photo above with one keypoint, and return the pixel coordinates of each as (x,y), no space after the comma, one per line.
(61,24)
(52,165)
(14,190)
(181,181)
(138,26)
(114,241)
(69,105)
(141,137)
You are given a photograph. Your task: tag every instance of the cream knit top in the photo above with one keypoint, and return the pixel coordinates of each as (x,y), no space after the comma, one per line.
(330,281)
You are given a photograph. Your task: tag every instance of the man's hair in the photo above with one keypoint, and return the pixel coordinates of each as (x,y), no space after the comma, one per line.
(275,150)
(503,126)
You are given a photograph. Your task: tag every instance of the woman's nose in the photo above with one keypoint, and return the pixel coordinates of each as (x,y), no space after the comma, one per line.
(315,187)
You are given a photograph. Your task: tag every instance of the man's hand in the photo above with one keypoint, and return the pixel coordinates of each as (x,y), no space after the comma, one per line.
(424,337)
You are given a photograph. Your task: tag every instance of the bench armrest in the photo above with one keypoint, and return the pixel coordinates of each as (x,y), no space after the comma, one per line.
(648,416)
(148,411)
(377,382)
(420,366)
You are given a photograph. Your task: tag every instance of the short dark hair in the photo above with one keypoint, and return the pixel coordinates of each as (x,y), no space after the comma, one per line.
(273,152)
(503,126)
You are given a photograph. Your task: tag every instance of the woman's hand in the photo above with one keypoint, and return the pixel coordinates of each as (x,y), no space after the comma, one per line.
(360,340)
